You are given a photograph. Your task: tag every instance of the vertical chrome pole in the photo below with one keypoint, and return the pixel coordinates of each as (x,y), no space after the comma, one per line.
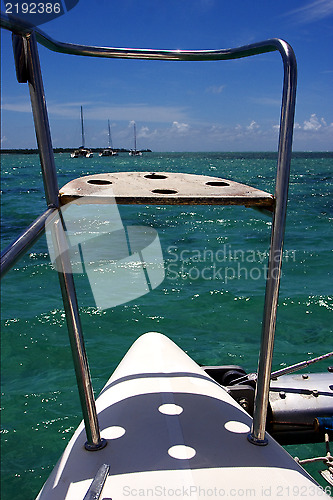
(26,53)
(63,265)
(41,120)
(257,435)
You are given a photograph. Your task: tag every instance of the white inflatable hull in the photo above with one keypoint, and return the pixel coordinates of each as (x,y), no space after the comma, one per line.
(173,432)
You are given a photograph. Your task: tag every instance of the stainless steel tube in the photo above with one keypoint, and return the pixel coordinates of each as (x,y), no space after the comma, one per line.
(94,440)
(18,247)
(257,435)
(41,120)
(33,72)
(20,27)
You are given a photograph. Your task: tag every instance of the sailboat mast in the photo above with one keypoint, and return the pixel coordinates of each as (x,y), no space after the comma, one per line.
(82,129)
(110,140)
(134,137)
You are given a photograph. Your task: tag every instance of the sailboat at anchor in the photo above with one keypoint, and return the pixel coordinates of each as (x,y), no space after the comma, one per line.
(109,151)
(135,152)
(82,151)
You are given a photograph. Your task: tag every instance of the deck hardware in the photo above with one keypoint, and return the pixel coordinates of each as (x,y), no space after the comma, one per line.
(95,490)
(257,441)
(301,365)
(244,403)
(327,474)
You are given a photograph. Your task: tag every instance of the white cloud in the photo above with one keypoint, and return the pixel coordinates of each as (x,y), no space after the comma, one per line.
(162,128)
(313,134)
(144,132)
(215,89)
(313,124)
(19,107)
(104,111)
(253,126)
(138,112)
(180,127)
(266,101)
(314,11)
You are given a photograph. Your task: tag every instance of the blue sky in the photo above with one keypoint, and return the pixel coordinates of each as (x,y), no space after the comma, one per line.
(208,106)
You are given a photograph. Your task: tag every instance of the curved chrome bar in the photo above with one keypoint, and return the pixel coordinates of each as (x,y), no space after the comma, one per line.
(19,247)
(154,54)
(25,29)
(257,435)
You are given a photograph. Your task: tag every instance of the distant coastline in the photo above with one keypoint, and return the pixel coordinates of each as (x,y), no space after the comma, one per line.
(231,154)
(63,150)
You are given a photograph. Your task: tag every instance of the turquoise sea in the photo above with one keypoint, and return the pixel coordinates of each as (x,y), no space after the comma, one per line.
(214,317)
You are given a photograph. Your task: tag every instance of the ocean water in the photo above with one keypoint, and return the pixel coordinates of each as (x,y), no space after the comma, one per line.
(210,302)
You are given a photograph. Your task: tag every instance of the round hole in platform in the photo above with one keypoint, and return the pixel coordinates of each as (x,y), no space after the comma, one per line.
(164,191)
(99,182)
(113,432)
(181,452)
(170,409)
(217,183)
(237,427)
(155,176)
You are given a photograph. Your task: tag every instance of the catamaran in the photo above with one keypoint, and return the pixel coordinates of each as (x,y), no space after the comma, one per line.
(163,425)
(135,152)
(82,152)
(109,151)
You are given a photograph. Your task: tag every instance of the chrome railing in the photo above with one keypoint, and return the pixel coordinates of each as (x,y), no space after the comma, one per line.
(25,40)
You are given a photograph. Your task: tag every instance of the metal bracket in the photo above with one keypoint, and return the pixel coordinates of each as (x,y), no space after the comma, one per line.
(95,490)
(20,57)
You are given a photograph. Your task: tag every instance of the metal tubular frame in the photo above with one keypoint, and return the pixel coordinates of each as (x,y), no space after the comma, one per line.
(41,121)
(19,247)
(257,435)
(94,440)
(28,69)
